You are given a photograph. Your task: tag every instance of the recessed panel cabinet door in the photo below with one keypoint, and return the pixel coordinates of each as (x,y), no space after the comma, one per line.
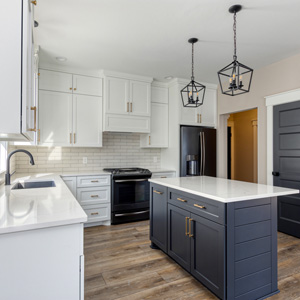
(140,97)
(207,253)
(86,85)
(87,117)
(208,110)
(179,245)
(55,118)
(117,95)
(159,125)
(55,81)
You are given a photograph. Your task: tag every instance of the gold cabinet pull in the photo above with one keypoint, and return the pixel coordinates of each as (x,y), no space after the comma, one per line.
(34,116)
(94,180)
(200,206)
(163,176)
(197,118)
(130,106)
(94,196)
(33,2)
(75,89)
(190,229)
(149,140)
(93,214)
(186,225)
(157,192)
(70,138)
(200,118)
(70,89)
(74,138)
(127,106)
(182,200)
(39,135)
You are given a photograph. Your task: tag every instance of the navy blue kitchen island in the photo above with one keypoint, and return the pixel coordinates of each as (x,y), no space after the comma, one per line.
(221,231)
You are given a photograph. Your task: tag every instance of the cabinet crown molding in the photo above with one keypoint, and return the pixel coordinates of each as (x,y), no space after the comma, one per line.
(126,76)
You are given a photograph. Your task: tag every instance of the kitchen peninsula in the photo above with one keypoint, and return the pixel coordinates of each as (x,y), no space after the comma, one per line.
(223,232)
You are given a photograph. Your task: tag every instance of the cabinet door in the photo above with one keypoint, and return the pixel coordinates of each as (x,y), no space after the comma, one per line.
(179,245)
(159,94)
(55,118)
(87,121)
(86,85)
(55,81)
(117,96)
(140,98)
(70,181)
(207,253)
(208,110)
(158,216)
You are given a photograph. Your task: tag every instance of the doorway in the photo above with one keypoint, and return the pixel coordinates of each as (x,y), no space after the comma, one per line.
(242,146)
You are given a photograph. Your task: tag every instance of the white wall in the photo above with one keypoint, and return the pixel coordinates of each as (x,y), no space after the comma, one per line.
(275,78)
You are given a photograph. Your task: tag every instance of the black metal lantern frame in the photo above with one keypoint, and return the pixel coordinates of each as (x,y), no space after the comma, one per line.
(193,94)
(237,75)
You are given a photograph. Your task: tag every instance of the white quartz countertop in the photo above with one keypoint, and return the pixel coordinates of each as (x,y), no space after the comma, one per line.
(28,209)
(223,190)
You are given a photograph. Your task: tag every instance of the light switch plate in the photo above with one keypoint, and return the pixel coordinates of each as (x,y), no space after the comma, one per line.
(84,160)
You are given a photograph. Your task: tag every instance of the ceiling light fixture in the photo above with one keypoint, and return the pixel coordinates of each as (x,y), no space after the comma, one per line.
(238,75)
(192,95)
(61,58)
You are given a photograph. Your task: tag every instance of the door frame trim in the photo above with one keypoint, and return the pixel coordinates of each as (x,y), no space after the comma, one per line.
(271,101)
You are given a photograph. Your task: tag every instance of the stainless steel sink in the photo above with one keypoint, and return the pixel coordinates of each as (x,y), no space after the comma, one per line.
(33,185)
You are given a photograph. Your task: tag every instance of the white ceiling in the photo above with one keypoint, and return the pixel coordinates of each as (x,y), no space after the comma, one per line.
(149,37)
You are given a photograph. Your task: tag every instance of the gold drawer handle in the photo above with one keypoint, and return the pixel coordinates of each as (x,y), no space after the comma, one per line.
(157,192)
(33,2)
(200,206)
(94,196)
(190,234)
(186,225)
(163,176)
(94,180)
(182,200)
(92,214)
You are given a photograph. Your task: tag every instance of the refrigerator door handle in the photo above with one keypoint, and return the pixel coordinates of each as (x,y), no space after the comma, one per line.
(201,154)
(203,151)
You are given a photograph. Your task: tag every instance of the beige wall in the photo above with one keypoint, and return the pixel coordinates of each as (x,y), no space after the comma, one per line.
(272,79)
(243,145)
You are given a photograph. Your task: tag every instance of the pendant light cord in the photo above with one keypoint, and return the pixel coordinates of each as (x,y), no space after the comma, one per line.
(192,62)
(234,36)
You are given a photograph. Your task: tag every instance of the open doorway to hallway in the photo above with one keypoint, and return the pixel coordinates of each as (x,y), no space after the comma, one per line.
(242,146)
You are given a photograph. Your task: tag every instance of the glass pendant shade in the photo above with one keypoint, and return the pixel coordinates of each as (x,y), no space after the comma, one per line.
(235,78)
(193,94)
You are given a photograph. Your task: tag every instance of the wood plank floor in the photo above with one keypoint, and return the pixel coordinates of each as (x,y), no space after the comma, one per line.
(119,264)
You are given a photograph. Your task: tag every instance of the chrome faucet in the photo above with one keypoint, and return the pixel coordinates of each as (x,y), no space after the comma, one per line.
(7,174)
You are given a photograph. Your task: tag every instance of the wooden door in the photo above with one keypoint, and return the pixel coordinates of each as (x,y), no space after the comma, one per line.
(207,253)
(55,118)
(87,121)
(117,96)
(86,85)
(140,97)
(286,164)
(179,245)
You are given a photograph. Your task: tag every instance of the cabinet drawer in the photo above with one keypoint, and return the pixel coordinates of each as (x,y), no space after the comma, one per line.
(97,213)
(90,181)
(207,208)
(97,195)
(163,175)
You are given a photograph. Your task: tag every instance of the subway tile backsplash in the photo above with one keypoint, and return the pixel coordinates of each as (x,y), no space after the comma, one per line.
(119,150)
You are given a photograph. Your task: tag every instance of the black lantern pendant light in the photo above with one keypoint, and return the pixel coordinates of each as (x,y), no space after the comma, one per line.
(193,94)
(235,79)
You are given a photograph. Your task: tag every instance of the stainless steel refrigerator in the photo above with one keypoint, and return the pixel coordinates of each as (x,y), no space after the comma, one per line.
(198,153)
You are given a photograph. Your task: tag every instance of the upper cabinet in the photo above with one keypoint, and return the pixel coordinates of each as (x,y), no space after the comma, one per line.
(127,103)
(18,111)
(159,128)
(70,110)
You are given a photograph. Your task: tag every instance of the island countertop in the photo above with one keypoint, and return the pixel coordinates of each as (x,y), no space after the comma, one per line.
(28,209)
(221,189)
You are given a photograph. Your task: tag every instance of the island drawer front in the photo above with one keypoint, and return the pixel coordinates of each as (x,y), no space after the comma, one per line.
(93,195)
(97,213)
(204,207)
(90,181)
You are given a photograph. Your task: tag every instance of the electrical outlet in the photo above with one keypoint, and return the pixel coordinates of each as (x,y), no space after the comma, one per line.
(84,160)
(155,159)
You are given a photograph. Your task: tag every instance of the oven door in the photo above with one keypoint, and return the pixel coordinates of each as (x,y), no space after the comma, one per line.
(130,194)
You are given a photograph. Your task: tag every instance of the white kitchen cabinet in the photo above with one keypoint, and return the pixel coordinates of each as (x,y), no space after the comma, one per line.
(86,85)
(55,81)
(87,121)
(159,94)
(166,174)
(140,98)
(70,182)
(158,137)
(16,76)
(55,119)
